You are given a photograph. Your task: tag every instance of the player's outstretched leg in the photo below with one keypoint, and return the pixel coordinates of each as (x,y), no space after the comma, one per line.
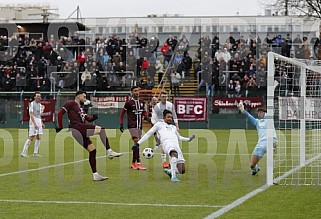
(173,163)
(253,164)
(168,172)
(92,162)
(255,169)
(24,152)
(103,137)
(163,156)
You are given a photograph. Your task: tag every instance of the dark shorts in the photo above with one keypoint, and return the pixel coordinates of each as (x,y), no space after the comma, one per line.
(82,132)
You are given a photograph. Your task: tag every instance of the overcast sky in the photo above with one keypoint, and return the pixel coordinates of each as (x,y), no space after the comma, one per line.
(137,8)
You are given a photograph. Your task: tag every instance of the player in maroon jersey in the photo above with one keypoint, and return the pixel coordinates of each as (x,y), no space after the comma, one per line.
(135,109)
(81,131)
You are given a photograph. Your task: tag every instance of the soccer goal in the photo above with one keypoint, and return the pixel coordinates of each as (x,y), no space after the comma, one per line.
(294,109)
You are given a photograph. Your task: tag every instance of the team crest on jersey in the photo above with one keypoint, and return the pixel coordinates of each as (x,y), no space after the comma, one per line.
(82,114)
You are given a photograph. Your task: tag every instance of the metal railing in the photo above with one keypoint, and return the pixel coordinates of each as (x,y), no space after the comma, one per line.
(69,79)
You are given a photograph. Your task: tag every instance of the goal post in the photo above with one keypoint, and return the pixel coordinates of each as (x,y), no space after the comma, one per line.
(294,110)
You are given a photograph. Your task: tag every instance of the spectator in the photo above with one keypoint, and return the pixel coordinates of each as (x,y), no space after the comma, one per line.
(306,48)
(164,48)
(151,71)
(116,60)
(237,89)
(196,64)
(85,76)
(145,65)
(251,87)
(168,56)
(183,46)
(231,89)
(297,42)
(131,62)
(154,44)
(159,70)
(215,45)
(187,61)
(175,78)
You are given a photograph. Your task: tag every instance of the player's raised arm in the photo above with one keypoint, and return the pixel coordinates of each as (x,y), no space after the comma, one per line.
(248,115)
(181,138)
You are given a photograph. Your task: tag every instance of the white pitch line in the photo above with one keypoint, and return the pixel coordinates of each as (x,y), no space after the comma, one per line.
(236,202)
(257,191)
(46,167)
(80,161)
(110,203)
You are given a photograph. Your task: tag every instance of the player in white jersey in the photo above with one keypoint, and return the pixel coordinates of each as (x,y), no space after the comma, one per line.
(261,126)
(169,137)
(157,116)
(35,125)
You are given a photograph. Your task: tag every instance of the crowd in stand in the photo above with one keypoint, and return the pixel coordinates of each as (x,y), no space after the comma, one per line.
(232,67)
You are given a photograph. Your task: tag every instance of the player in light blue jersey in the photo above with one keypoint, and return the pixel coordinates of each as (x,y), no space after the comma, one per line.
(261,126)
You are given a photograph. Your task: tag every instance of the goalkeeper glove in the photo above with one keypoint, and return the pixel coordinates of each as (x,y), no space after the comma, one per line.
(58,129)
(121,128)
(95,117)
(241,107)
(136,145)
(191,138)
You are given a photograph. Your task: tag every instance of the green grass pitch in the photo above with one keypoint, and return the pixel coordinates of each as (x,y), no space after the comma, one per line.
(60,184)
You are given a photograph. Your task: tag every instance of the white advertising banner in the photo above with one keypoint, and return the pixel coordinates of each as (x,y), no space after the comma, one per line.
(295,108)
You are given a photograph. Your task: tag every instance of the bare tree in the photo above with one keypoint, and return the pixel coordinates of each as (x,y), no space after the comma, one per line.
(311,8)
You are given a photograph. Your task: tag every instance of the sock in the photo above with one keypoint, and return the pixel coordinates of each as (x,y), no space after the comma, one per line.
(92,160)
(255,168)
(173,162)
(109,151)
(136,157)
(25,147)
(37,145)
(104,139)
(95,174)
(163,156)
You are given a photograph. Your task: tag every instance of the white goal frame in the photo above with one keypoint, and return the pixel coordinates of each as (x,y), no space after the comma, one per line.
(271,85)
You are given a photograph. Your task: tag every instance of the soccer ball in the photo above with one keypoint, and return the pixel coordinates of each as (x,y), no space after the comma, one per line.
(148,153)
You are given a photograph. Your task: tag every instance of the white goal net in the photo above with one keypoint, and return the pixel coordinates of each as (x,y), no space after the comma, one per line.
(294,109)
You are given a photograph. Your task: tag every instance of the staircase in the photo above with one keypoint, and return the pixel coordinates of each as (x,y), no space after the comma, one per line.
(187,88)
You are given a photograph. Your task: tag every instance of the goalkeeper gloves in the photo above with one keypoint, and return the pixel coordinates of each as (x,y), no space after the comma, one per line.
(58,129)
(121,128)
(95,117)
(191,138)
(241,107)
(136,145)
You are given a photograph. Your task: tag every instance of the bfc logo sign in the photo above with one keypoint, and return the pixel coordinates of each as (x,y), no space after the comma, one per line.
(191,108)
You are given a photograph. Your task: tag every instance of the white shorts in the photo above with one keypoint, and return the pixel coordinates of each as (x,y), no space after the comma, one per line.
(32,130)
(174,147)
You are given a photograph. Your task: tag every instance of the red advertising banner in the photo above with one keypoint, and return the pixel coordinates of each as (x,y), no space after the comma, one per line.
(249,102)
(109,102)
(48,113)
(191,109)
